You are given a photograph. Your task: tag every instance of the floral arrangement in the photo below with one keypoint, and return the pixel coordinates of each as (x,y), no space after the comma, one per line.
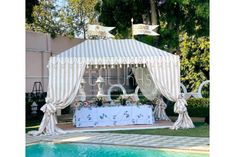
(86,104)
(100,100)
(131,99)
(122,99)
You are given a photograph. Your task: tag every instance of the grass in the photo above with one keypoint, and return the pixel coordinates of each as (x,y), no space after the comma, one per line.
(201,130)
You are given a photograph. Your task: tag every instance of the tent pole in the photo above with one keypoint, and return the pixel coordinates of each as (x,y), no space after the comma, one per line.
(132,35)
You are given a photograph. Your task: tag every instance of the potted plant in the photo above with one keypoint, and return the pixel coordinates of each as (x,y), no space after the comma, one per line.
(99,100)
(122,100)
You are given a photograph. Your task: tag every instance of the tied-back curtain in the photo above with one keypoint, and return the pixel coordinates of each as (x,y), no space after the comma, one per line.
(149,90)
(65,76)
(145,82)
(165,72)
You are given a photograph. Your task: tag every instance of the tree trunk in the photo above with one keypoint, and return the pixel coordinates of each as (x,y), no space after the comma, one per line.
(154,18)
(153,12)
(84,31)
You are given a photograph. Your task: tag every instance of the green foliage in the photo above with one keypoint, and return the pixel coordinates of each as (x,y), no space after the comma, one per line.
(118,13)
(67,20)
(197,107)
(206,91)
(194,60)
(174,17)
(177,16)
(115,94)
(29,10)
(144,100)
(79,13)
(47,19)
(84,9)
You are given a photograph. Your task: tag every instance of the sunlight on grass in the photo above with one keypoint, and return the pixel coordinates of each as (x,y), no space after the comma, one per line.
(200,130)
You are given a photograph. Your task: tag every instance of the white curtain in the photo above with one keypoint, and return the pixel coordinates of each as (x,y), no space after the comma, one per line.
(65,76)
(159,110)
(147,87)
(145,82)
(165,73)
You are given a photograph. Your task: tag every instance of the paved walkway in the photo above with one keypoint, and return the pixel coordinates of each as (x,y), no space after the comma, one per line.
(154,141)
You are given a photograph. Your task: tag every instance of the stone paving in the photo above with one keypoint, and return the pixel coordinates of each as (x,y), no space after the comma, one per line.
(153,141)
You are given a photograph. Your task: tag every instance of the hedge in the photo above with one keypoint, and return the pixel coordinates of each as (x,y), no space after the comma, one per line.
(197,107)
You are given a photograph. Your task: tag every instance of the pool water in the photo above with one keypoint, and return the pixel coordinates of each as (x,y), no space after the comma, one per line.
(91,150)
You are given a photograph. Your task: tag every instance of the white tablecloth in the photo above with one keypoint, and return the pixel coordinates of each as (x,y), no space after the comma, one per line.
(113,115)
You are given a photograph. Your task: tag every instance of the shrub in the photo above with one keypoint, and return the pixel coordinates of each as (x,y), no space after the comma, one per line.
(116,94)
(144,100)
(197,107)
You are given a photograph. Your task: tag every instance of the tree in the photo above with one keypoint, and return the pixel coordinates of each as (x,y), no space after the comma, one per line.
(118,13)
(153,12)
(81,12)
(68,20)
(173,16)
(47,19)
(194,60)
(29,9)
(182,16)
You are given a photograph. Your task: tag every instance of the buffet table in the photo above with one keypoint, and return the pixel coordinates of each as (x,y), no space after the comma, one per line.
(113,115)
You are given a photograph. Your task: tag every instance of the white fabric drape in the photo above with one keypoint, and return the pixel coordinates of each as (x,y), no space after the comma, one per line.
(165,73)
(145,82)
(147,87)
(159,110)
(64,81)
(183,121)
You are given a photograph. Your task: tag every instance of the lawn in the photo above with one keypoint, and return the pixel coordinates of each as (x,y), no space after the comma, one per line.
(201,130)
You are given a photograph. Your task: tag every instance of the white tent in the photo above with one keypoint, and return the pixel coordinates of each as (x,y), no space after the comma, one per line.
(66,71)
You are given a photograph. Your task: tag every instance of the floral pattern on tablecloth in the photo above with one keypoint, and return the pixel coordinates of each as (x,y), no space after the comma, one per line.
(113,115)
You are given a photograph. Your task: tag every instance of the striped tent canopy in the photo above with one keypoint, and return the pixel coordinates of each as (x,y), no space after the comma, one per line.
(106,52)
(66,72)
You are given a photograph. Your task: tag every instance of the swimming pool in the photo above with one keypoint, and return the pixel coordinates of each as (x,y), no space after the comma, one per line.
(91,150)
